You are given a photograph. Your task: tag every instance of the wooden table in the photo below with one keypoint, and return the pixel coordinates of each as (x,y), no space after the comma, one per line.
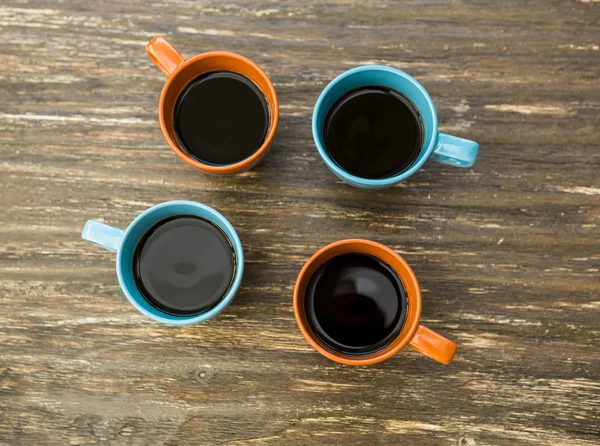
(507,253)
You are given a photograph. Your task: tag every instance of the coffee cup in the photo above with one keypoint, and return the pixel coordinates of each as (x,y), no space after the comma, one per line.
(358,302)
(218,110)
(178,262)
(374,126)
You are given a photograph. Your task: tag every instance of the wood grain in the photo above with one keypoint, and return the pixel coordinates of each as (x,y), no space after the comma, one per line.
(507,253)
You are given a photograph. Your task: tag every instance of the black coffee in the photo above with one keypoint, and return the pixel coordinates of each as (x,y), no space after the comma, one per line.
(373,133)
(184,265)
(356,304)
(221,118)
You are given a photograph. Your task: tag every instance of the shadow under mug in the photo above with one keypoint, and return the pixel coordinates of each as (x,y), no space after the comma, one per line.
(181,72)
(413,334)
(442,148)
(124,242)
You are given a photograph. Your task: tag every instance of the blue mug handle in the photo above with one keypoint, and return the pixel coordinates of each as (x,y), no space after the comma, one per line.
(102,235)
(455,151)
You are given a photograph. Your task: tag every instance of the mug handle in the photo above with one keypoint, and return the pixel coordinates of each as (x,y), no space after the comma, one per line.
(455,151)
(102,235)
(164,55)
(433,345)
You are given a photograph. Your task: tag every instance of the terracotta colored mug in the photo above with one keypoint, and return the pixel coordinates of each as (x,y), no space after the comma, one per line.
(417,336)
(181,72)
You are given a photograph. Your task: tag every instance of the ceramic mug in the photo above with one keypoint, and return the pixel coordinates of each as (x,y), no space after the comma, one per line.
(124,243)
(181,72)
(440,147)
(412,333)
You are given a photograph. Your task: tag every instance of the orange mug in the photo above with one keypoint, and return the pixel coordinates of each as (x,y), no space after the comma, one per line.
(181,72)
(417,336)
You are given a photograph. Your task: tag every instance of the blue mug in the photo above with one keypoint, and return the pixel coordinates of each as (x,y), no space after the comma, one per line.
(442,148)
(125,242)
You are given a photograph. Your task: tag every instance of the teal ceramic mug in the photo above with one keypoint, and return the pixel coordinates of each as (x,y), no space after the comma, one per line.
(125,242)
(440,147)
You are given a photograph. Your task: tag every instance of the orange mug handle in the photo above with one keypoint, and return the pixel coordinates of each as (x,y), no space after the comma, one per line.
(433,345)
(164,55)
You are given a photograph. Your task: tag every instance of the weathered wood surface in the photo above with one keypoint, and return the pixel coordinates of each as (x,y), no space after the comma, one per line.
(507,253)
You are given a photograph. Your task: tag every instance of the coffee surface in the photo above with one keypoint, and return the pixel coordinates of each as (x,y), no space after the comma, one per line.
(373,133)
(184,265)
(221,118)
(356,304)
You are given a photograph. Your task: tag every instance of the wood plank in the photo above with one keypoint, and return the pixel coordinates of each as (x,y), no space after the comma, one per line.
(507,253)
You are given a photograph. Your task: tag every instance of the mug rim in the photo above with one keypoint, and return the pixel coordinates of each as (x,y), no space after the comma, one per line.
(223,223)
(368,182)
(246,163)
(414,301)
